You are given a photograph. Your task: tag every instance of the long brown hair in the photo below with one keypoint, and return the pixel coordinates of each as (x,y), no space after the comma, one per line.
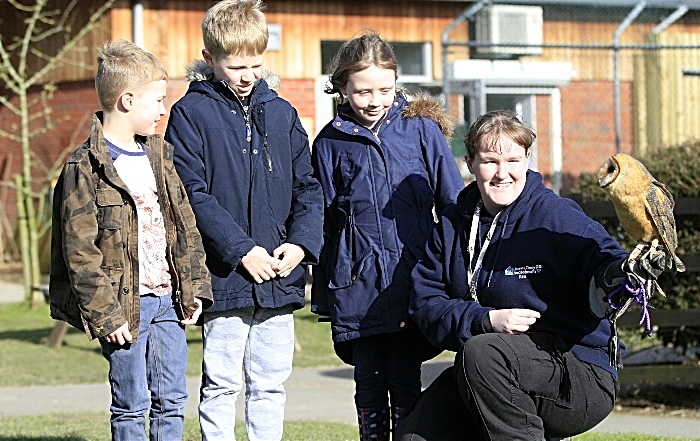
(358,54)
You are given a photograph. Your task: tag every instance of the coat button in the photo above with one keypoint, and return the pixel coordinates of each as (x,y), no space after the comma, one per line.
(233,111)
(338,123)
(402,324)
(388,121)
(353,278)
(396,103)
(255,151)
(355,130)
(245,150)
(125,290)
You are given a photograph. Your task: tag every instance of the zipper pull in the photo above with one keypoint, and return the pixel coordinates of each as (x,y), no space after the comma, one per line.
(269,156)
(247,132)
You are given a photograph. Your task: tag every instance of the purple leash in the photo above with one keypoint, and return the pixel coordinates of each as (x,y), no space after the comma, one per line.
(639,296)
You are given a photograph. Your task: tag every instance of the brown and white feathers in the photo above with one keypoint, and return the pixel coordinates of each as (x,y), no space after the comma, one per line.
(643,205)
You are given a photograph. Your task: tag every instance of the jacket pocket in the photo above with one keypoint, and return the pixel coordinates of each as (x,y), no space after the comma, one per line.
(355,293)
(110,220)
(110,206)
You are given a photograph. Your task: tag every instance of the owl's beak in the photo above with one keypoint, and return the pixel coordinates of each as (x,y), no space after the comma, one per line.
(608,172)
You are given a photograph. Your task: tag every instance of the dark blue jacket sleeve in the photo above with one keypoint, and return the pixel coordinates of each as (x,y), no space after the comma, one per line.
(446,179)
(440,304)
(306,214)
(221,235)
(319,290)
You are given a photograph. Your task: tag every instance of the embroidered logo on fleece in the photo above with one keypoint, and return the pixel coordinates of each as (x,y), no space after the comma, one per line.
(523,271)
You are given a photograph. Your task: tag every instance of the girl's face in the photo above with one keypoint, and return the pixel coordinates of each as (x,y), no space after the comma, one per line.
(499,176)
(371,93)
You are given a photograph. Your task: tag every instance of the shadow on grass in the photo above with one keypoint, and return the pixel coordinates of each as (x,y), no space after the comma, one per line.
(36,336)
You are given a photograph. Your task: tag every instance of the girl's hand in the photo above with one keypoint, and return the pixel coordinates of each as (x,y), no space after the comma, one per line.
(512,321)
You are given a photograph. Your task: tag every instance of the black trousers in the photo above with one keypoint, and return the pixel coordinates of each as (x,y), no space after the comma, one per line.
(512,387)
(387,365)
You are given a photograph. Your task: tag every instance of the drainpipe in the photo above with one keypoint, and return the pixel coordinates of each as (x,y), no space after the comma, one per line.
(616,66)
(466,15)
(555,148)
(137,22)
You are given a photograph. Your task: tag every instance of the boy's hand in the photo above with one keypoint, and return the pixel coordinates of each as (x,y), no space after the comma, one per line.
(120,336)
(259,264)
(195,315)
(512,321)
(291,257)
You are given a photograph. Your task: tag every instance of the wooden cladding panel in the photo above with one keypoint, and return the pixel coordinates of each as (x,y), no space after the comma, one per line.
(672,103)
(173,33)
(79,63)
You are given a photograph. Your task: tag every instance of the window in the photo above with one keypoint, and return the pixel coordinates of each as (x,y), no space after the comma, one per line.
(415,60)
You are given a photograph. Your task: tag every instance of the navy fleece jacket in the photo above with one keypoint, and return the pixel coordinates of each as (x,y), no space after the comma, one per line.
(543,254)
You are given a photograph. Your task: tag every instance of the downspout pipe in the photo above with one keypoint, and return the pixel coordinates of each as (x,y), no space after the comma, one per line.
(616,66)
(466,15)
(137,22)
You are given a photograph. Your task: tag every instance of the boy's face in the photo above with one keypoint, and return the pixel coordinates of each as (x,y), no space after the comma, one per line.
(239,71)
(147,107)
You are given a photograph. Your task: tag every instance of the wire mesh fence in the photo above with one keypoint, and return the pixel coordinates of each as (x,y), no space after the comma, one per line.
(592,79)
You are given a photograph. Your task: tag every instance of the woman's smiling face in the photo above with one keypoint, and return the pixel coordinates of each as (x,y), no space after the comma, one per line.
(500,170)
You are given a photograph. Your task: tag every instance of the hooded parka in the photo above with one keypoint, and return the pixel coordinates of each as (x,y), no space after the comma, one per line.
(94,283)
(543,254)
(250,182)
(381,187)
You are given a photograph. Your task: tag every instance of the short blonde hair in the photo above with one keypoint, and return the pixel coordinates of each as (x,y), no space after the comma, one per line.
(235,27)
(122,65)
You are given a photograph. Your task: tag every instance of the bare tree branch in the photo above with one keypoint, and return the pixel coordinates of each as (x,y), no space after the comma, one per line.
(94,18)
(5,102)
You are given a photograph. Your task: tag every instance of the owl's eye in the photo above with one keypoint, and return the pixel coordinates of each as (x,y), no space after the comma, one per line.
(611,168)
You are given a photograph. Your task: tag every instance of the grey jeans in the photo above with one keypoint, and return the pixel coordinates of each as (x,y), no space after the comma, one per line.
(260,342)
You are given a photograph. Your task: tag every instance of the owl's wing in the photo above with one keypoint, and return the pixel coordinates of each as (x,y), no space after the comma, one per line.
(659,205)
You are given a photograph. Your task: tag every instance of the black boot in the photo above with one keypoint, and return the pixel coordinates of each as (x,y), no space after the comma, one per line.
(398,414)
(374,424)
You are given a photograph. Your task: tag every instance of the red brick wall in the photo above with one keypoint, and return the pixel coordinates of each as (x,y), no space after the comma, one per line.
(588,124)
(301,94)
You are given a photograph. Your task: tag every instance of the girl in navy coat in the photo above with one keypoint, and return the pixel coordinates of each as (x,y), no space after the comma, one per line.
(506,282)
(384,166)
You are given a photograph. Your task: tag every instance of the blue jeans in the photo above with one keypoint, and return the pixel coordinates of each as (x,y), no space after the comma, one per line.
(149,375)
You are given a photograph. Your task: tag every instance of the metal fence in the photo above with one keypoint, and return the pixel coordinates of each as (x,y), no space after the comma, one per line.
(593,78)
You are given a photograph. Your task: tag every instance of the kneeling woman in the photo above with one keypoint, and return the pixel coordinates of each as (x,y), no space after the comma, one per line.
(505,283)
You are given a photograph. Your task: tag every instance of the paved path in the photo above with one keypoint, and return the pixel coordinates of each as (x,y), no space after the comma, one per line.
(323,394)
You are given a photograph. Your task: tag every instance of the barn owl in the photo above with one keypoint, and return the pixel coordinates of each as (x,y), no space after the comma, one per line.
(644,207)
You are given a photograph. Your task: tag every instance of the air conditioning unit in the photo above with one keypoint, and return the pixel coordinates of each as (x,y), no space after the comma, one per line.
(498,24)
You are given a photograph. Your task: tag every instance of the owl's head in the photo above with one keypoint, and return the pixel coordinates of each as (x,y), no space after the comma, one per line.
(623,173)
(608,172)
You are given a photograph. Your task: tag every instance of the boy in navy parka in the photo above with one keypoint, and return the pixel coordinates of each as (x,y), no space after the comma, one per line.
(245,161)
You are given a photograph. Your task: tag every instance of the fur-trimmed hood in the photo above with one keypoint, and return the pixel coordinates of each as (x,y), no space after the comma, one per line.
(428,106)
(199,70)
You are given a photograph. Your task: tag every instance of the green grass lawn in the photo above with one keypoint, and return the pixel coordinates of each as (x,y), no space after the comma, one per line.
(95,427)
(27,360)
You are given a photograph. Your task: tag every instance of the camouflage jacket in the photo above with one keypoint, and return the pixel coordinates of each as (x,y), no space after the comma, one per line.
(94,283)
